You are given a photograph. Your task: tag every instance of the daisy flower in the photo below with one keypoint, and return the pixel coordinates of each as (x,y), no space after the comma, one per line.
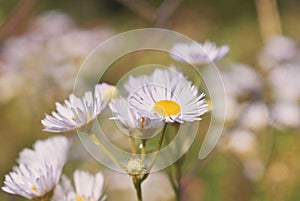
(75,112)
(170,99)
(198,53)
(88,187)
(39,170)
(53,150)
(130,117)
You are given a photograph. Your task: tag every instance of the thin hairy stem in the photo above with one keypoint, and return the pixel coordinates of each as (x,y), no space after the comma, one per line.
(133,146)
(143,150)
(138,188)
(178,178)
(158,147)
(106,151)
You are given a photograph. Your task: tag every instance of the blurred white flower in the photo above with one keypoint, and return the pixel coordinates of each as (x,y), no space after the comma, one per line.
(52,23)
(285,114)
(198,53)
(63,47)
(39,170)
(11,84)
(174,100)
(88,187)
(278,49)
(45,57)
(253,169)
(284,82)
(232,109)
(75,112)
(255,116)
(242,141)
(240,79)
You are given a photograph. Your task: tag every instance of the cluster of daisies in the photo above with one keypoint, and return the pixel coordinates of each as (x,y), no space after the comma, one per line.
(39,171)
(164,96)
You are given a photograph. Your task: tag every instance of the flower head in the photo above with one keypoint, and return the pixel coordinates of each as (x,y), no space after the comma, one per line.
(107,91)
(172,99)
(39,170)
(279,49)
(130,117)
(198,53)
(136,167)
(88,187)
(75,112)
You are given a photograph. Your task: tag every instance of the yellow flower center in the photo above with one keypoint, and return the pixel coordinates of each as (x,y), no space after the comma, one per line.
(79,198)
(33,187)
(167,108)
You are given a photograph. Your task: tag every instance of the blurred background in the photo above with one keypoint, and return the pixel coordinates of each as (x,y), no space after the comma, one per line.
(43,43)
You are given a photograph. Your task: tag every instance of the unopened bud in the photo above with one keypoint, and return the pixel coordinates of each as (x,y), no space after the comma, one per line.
(136,167)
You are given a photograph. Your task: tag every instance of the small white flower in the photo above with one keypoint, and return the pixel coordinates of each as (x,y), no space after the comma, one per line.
(31,182)
(240,79)
(198,53)
(242,141)
(39,170)
(170,99)
(285,114)
(130,117)
(253,168)
(88,187)
(284,82)
(75,112)
(278,49)
(255,116)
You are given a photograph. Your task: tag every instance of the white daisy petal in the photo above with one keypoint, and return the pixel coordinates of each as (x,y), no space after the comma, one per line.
(76,112)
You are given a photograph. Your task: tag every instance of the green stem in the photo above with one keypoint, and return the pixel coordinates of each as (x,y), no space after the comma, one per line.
(106,151)
(171,179)
(268,18)
(178,177)
(143,151)
(174,175)
(137,185)
(158,147)
(133,146)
